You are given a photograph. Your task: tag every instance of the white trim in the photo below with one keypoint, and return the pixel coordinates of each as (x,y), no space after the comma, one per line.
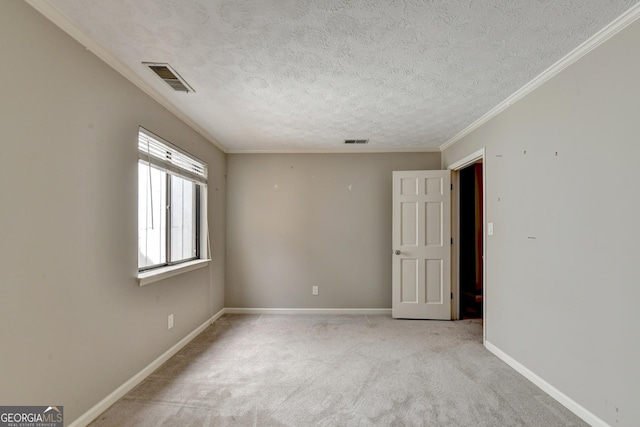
(468,160)
(562,398)
(485,256)
(93,413)
(157,274)
(455,252)
(118,393)
(455,167)
(241,310)
(52,14)
(360,150)
(591,43)
(75,32)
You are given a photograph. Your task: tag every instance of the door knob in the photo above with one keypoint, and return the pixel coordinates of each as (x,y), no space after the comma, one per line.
(397,252)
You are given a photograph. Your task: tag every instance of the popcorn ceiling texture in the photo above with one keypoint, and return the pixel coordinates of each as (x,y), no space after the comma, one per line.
(305,75)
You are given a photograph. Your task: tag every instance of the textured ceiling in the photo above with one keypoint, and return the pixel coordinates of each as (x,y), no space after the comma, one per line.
(305,75)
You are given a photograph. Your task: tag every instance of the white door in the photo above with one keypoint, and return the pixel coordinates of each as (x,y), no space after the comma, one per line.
(422,245)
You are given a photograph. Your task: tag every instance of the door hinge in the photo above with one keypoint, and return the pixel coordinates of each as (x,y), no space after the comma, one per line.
(451,295)
(451,187)
(452,240)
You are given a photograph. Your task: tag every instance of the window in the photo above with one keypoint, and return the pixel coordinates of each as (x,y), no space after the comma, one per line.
(171,204)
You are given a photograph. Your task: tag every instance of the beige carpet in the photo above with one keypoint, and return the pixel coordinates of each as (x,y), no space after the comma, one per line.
(313,370)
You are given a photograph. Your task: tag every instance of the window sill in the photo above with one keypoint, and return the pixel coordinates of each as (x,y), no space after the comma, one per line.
(148,277)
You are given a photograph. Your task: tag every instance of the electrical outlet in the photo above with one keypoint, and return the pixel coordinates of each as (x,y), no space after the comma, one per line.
(170,322)
(314,290)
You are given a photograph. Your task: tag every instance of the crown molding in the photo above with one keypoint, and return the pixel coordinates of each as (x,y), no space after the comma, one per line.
(361,150)
(591,43)
(53,15)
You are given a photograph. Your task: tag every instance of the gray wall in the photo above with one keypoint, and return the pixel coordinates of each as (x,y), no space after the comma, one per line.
(75,325)
(565,305)
(298,220)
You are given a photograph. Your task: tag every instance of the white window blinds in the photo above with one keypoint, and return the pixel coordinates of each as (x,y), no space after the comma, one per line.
(165,155)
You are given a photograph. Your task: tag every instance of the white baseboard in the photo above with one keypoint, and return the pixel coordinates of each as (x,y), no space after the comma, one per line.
(112,398)
(239,310)
(562,398)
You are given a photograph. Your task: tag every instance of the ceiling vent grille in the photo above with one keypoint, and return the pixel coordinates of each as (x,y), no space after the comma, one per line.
(170,76)
(356,141)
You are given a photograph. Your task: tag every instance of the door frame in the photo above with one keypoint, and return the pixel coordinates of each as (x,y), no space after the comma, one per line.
(455,234)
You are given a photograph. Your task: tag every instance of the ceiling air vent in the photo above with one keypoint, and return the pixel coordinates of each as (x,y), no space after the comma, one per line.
(170,76)
(356,141)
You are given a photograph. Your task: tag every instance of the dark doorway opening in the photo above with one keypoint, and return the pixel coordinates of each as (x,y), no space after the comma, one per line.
(471,244)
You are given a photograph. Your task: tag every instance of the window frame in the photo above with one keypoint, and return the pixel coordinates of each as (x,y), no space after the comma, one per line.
(174,162)
(168,220)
